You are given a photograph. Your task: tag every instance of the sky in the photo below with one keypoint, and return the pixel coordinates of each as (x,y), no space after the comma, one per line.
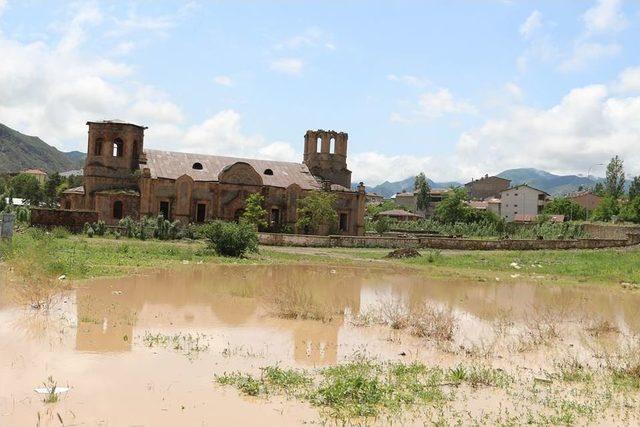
(455,89)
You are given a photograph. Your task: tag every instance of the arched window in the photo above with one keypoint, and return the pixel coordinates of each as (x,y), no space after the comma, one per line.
(117,209)
(118,147)
(97,147)
(332,145)
(268,172)
(197,166)
(318,145)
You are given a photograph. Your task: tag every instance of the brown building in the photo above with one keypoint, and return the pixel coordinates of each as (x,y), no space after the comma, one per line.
(409,200)
(586,199)
(122,178)
(486,187)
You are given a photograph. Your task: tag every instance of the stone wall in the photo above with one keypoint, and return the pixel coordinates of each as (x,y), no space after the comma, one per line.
(605,231)
(71,219)
(272,239)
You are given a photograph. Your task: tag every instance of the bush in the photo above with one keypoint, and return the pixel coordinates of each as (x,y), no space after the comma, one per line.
(60,232)
(230,238)
(383,224)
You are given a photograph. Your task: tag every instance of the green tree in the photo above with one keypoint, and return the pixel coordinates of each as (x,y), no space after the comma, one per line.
(422,191)
(51,188)
(383,224)
(634,188)
(317,212)
(254,213)
(606,210)
(599,190)
(452,208)
(631,210)
(614,180)
(27,187)
(564,206)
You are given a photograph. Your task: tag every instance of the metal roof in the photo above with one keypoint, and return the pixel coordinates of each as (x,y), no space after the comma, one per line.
(74,190)
(172,165)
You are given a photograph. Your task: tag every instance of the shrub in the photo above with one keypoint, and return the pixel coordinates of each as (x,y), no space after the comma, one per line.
(60,232)
(230,238)
(383,224)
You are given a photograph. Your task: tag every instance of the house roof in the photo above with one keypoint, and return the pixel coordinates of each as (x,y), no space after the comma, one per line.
(478,204)
(74,190)
(487,177)
(532,218)
(399,213)
(432,192)
(582,193)
(172,165)
(526,185)
(34,171)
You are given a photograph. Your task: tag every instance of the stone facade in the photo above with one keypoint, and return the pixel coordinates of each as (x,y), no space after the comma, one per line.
(486,187)
(122,178)
(73,220)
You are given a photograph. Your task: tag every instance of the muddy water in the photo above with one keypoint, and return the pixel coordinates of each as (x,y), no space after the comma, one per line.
(98,338)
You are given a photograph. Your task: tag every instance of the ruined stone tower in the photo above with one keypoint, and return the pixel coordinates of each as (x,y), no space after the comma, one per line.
(114,152)
(325,154)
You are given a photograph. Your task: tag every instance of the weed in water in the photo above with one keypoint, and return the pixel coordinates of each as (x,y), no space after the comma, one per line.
(51,396)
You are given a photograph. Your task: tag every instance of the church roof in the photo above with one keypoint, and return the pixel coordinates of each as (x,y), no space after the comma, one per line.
(172,165)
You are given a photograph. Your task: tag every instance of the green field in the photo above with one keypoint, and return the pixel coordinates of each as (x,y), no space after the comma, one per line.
(80,257)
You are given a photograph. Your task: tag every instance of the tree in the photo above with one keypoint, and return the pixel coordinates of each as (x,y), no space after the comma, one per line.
(422,191)
(634,188)
(631,210)
(26,186)
(254,213)
(51,189)
(607,209)
(317,213)
(452,208)
(383,224)
(599,190)
(564,206)
(614,181)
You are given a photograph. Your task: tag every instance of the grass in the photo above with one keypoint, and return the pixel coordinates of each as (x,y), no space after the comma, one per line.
(79,257)
(189,344)
(356,390)
(600,266)
(291,301)
(51,396)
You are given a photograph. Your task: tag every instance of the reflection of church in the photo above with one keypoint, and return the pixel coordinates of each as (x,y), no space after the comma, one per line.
(108,309)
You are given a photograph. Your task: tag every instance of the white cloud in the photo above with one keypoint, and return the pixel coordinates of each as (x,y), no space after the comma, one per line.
(586,52)
(514,91)
(223,80)
(532,24)
(605,16)
(3,4)
(309,38)
(587,126)
(628,81)
(409,80)
(291,66)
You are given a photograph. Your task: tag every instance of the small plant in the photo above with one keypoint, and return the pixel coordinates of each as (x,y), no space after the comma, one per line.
(51,396)
(60,232)
(458,374)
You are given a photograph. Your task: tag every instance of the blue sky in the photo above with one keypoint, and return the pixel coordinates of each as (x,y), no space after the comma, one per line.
(456,89)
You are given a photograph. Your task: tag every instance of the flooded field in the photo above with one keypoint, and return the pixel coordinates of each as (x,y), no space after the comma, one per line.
(150,350)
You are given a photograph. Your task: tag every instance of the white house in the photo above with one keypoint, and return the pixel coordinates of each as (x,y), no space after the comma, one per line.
(522,200)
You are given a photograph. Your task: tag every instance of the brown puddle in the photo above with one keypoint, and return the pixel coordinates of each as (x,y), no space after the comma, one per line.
(144,350)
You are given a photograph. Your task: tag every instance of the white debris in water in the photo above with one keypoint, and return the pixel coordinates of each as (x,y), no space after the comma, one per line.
(48,390)
(497,279)
(515,265)
(515,276)
(117,292)
(333,272)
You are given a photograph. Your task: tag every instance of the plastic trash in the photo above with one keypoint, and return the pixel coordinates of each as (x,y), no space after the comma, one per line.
(48,390)
(64,276)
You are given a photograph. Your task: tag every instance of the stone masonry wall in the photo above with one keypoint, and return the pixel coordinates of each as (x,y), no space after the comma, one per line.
(71,219)
(272,239)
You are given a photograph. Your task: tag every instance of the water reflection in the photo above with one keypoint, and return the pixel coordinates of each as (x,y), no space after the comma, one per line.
(110,312)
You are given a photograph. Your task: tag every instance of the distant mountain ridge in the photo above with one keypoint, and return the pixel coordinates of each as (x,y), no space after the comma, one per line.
(19,152)
(555,185)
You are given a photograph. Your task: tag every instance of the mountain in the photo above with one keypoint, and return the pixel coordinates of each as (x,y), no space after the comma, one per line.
(555,185)
(388,189)
(19,151)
